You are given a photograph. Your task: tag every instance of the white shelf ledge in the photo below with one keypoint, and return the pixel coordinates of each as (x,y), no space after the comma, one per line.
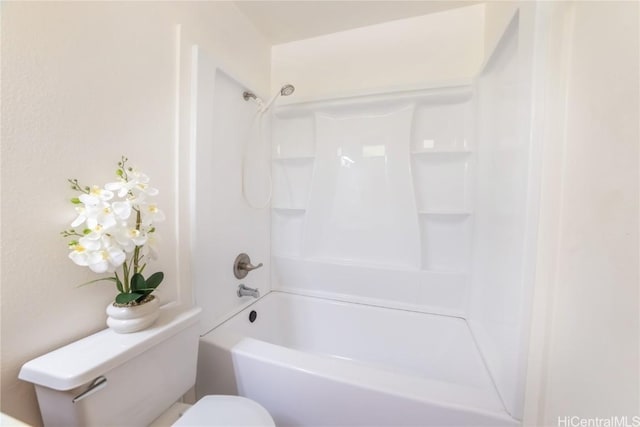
(459,212)
(293,158)
(442,151)
(289,209)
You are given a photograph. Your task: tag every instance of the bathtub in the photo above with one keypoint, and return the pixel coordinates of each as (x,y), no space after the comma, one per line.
(318,362)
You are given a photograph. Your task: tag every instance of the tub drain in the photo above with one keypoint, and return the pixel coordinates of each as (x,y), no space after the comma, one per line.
(252,316)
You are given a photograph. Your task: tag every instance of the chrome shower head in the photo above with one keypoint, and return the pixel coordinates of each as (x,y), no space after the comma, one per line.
(287,90)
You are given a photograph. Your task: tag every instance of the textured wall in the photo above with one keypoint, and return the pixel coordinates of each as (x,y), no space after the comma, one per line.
(83,83)
(592,353)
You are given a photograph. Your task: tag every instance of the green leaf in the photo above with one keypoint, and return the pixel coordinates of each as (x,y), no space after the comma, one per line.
(138,282)
(123,298)
(144,295)
(119,283)
(111,279)
(146,291)
(75,201)
(155,279)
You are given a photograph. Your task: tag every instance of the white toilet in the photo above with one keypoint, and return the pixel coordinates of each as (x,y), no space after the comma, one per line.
(110,379)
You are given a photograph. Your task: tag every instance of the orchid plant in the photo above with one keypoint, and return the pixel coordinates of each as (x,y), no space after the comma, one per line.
(114,230)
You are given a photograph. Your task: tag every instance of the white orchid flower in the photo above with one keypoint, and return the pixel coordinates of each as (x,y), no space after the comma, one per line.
(150,249)
(136,183)
(130,237)
(122,210)
(96,195)
(144,188)
(95,233)
(108,234)
(82,216)
(82,249)
(101,214)
(150,214)
(122,187)
(107,259)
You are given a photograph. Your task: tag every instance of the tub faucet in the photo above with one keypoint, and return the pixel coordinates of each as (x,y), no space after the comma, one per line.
(244,291)
(242,266)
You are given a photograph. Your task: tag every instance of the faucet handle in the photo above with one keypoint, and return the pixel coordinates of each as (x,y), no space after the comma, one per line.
(242,266)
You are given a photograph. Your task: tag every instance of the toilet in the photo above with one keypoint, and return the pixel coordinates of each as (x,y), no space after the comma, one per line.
(134,380)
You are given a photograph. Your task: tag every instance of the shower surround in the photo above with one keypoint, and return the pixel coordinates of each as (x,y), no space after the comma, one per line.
(372,198)
(416,203)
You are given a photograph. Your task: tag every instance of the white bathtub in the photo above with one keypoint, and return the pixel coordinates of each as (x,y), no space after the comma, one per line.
(317,362)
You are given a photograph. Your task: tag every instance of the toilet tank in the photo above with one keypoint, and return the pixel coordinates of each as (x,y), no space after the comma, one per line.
(136,376)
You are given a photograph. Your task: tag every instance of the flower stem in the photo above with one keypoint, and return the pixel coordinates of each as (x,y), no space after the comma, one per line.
(136,252)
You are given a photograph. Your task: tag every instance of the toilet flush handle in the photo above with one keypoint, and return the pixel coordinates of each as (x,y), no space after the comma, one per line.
(97,384)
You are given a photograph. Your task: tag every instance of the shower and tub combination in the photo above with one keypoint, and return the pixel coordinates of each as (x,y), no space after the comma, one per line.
(395,282)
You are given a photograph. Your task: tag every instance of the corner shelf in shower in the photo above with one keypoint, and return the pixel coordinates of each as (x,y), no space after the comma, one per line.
(291,209)
(452,212)
(441,151)
(303,158)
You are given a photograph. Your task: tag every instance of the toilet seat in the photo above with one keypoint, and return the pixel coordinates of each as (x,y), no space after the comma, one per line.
(225,411)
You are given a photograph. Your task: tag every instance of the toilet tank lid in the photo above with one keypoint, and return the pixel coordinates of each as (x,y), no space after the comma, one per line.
(82,361)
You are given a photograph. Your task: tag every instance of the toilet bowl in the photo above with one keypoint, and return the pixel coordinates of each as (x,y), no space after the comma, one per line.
(133,379)
(225,411)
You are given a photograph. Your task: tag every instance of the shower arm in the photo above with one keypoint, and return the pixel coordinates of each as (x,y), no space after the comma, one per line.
(249,95)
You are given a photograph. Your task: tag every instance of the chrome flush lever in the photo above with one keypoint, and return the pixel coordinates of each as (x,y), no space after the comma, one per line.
(242,266)
(97,384)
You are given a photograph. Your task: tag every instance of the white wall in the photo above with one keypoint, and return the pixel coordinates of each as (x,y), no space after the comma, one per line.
(444,46)
(83,83)
(584,358)
(497,15)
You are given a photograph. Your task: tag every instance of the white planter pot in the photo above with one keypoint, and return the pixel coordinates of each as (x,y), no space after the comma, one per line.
(124,320)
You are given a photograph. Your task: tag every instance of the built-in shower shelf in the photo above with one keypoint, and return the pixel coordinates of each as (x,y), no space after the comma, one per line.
(289,209)
(445,271)
(453,212)
(294,158)
(441,151)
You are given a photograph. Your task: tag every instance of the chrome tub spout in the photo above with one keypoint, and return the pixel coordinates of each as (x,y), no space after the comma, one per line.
(244,291)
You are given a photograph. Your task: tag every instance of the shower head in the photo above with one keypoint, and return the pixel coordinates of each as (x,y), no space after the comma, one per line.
(287,90)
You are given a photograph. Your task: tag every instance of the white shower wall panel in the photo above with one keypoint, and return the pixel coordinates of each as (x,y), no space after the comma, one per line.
(447,126)
(224,225)
(372,198)
(362,207)
(417,290)
(294,137)
(291,182)
(442,181)
(505,212)
(287,226)
(446,241)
